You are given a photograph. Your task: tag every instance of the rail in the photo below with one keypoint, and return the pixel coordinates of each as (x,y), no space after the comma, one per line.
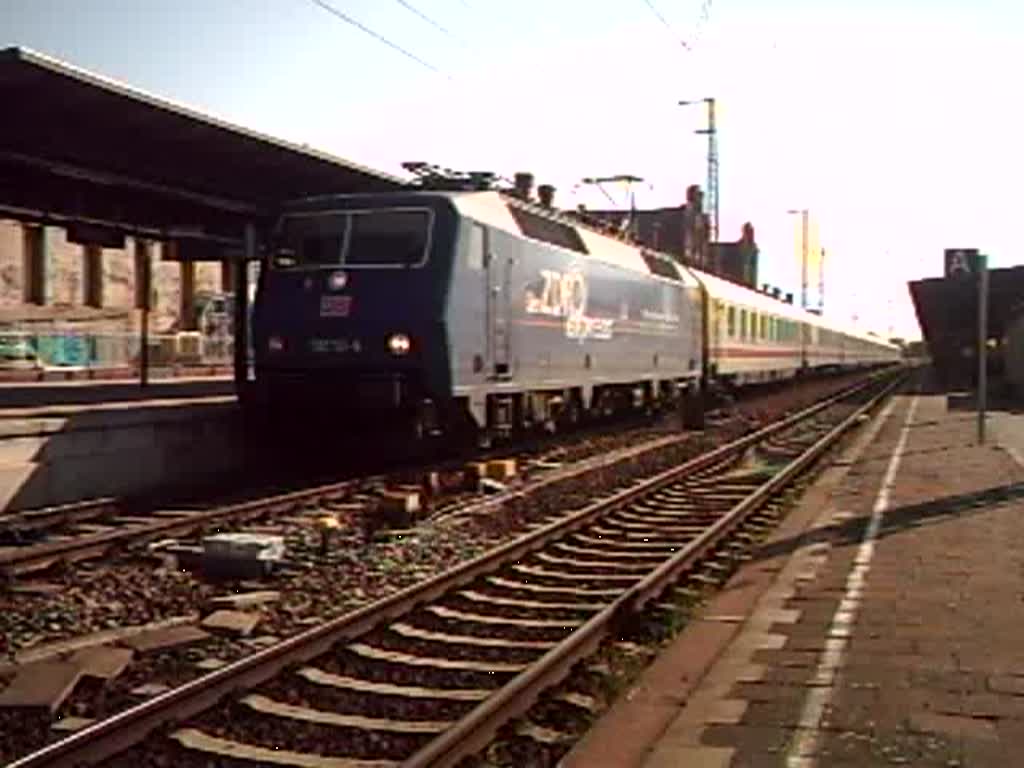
(104,739)
(475,730)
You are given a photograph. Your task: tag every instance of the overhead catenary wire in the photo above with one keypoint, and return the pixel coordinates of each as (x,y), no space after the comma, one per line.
(432,22)
(666,24)
(375,35)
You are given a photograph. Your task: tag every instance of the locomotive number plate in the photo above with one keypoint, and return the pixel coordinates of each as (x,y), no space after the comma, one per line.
(335,306)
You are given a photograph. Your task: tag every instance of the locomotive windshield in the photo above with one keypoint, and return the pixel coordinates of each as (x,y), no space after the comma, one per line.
(384,238)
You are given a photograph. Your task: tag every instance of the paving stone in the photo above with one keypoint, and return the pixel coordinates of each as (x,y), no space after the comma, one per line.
(246,599)
(150,689)
(235,622)
(102,661)
(55,650)
(767,739)
(71,724)
(671,756)
(263,641)
(43,685)
(159,639)
(210,664)
(1011,684)
(953,725)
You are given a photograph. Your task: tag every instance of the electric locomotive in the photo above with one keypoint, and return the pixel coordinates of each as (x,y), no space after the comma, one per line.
(468,309)
(478,311)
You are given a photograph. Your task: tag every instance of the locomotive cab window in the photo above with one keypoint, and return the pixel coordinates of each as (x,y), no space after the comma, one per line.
(311,241)
(387,238)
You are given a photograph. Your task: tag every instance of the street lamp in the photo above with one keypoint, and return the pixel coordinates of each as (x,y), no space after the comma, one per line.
(803,254)
(711,132)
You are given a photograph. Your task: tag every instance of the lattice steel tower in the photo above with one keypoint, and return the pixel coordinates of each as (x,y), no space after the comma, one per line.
(712,183)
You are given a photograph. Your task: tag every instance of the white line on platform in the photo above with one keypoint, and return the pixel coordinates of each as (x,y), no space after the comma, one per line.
(805,742)
(1014,455)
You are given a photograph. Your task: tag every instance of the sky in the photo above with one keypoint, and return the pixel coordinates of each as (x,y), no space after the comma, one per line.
(895,123)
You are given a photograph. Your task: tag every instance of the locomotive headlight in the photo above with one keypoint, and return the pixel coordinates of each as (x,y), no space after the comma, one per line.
(399,344)
(275,344)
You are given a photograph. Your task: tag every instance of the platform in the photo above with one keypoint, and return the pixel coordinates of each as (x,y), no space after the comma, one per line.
(84,392)
(882,624)
(69,442)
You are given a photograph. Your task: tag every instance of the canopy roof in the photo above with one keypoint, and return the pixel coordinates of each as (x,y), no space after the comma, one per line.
(77,146)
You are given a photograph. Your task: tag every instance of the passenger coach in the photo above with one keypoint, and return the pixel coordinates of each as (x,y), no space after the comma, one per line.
(754,337)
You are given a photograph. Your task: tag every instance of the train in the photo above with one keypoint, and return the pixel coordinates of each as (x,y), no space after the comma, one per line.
(477,311)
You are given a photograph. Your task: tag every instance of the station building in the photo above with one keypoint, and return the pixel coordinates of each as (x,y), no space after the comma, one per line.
(684,232)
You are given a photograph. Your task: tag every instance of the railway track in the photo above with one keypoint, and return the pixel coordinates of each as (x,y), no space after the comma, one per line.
(34,540)
(78,532)
(428,675)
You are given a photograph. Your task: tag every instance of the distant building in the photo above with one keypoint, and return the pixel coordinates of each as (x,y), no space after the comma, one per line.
(737,261)
(684,232)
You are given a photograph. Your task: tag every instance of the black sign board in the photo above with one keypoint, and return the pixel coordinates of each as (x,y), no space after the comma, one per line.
(961,262)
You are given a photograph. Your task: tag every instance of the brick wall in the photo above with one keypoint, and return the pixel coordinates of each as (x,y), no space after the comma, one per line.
(64,274)
(167,290)
(65,282)
(10,264)
(119,277)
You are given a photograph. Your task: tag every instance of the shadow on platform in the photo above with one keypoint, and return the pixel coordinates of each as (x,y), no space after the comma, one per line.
(898,519)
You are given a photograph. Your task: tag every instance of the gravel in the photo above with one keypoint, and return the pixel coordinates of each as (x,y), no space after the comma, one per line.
(360,566)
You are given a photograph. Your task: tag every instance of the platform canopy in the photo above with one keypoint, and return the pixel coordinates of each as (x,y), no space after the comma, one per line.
(947,310)
(79,148)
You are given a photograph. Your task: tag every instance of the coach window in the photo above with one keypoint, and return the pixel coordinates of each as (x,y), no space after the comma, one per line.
(753,326)
(743,325)
(731,320)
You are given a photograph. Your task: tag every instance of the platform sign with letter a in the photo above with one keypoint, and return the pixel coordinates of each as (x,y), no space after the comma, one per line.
(962,262)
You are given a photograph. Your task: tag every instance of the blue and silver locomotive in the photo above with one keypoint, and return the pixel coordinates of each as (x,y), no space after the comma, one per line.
(468,309)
